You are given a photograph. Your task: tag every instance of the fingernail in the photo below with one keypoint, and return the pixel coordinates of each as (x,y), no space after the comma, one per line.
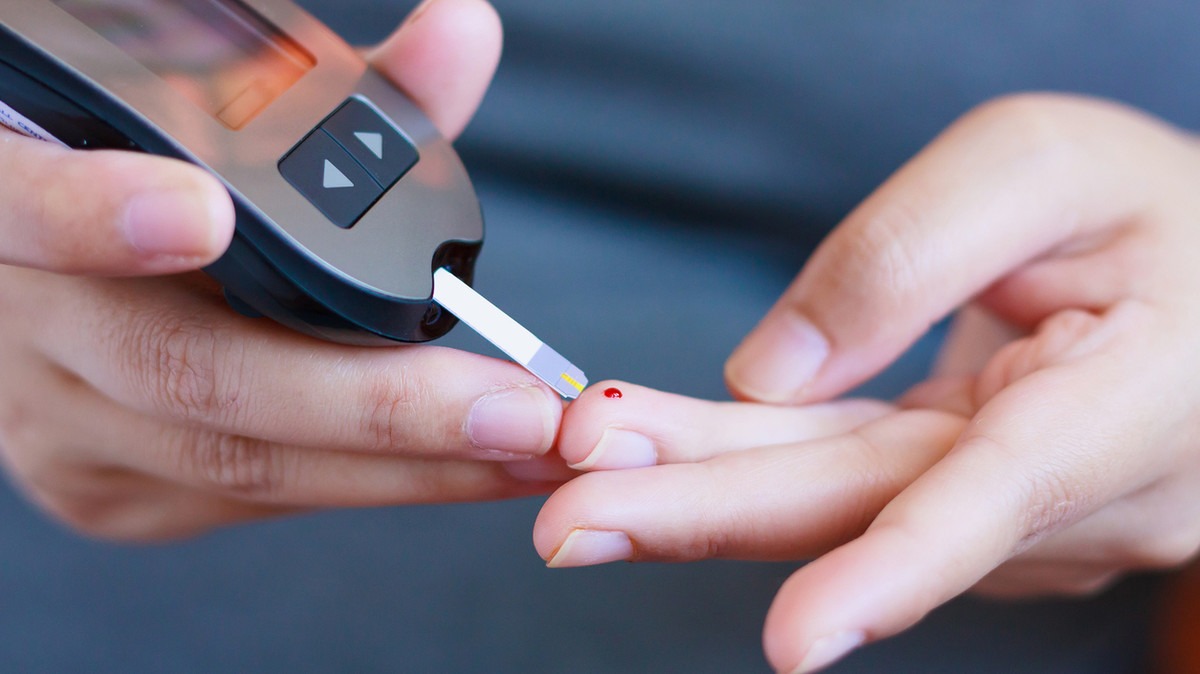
(513,421)
(414,15)
(618,449)
(777,361)
(172,224)
(584,547)
(828,650)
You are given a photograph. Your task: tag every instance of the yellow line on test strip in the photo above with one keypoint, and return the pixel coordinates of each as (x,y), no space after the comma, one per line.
(508,335)
(571,380)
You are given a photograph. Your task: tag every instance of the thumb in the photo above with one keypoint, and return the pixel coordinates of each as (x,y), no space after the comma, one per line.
(1003,186)
(444,57)
(107,213)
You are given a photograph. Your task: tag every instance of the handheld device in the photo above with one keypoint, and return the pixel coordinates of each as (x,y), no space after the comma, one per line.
(347,198)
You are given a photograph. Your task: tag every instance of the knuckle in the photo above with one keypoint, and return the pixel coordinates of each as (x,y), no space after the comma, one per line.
(713,544)
(1047,493)
(874,446)
(235,465)
(390,406)
(884,267)
(392,412)
(714,530)
(191,369)
(886,245)
(1051,501)
(1028,122)
(871,452)
(55,183)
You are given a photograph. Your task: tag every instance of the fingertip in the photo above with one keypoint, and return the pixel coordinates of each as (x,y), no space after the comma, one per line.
(587,547)
(550,528)
(444,56)
(877,585)
(827,651)
(221,214)
(581,504)
(110,213)
(515,420)
(816,618)
(178,225)
(472,401)
(608,409)
(183,220)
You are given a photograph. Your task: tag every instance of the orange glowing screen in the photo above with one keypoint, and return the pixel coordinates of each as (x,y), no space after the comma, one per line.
(218,54)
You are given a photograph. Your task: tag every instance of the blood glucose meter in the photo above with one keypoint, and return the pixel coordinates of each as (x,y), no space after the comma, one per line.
(347,198)
(356,221)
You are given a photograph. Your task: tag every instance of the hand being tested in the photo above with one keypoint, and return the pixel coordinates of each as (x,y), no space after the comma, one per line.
(1057,449)
(141,408)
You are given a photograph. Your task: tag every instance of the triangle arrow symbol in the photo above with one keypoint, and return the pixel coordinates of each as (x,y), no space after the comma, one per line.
(373,141)
(334,178)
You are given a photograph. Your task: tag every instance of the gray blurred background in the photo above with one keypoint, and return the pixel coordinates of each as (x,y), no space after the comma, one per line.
(653,174)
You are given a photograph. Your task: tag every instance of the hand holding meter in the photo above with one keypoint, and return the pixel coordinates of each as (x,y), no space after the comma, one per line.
(347,198)
(144,409)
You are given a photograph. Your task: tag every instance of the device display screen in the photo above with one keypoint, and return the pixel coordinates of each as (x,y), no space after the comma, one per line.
(217,53)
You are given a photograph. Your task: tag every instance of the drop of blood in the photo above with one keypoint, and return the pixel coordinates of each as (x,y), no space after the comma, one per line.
(614,393)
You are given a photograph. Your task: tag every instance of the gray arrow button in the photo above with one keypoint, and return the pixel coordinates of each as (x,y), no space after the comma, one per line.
(373,141)
(334,178)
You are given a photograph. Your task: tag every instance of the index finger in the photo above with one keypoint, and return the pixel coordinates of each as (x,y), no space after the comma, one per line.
(1003,186)
(107,213)
(178,353)
(643,427)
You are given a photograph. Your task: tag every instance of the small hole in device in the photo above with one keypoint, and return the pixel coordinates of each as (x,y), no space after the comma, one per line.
(433,315)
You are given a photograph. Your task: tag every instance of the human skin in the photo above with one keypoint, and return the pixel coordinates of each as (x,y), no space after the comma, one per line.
(135,405)
(1054,449)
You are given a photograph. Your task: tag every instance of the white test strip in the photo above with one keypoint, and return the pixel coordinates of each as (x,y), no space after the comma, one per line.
(14,120)
(508,335)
